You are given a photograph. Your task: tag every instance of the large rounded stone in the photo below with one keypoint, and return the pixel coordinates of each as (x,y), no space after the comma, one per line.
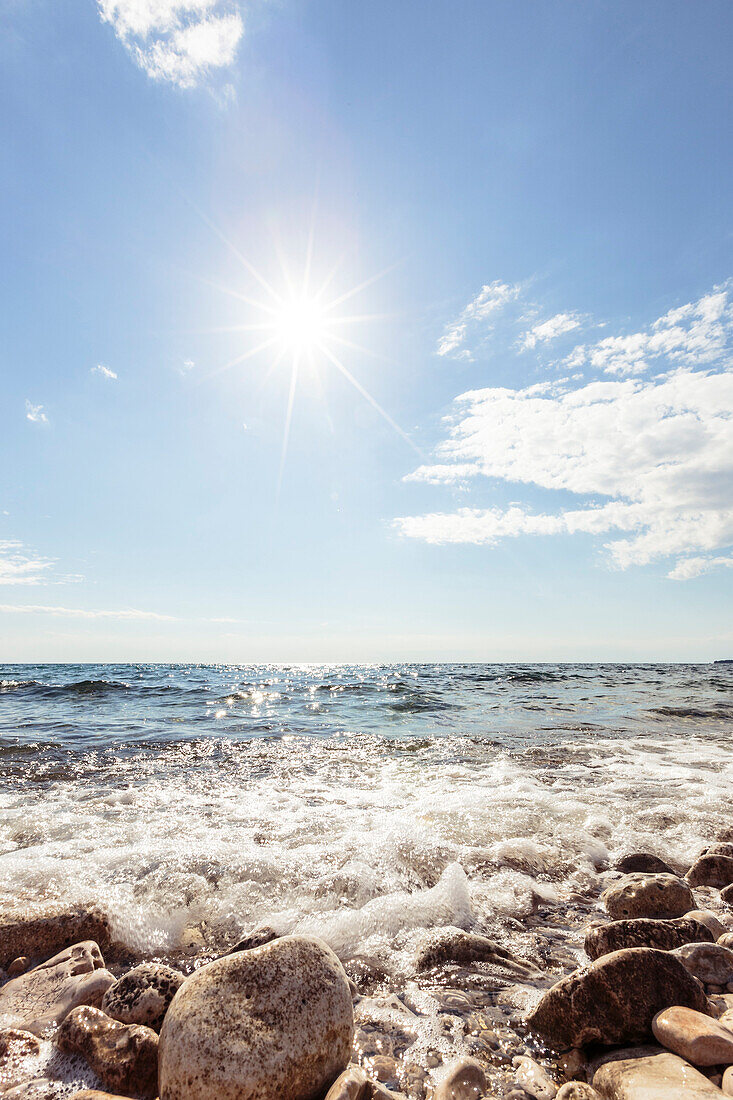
(615,999)
(695,1037)
(142,996)
(44,996)
(650,1073)
(272,1023)
(709,962)
(661,897)
(464,1080)
(601,939)
(644,863)
(711,870)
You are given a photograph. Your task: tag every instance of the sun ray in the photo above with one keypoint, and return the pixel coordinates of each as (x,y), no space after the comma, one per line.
(242,259)
(240,358)
(288,420)
(368,397)
(362,286)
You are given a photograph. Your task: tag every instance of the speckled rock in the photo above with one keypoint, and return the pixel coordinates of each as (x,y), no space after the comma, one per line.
(45,995)
(533,1078)
(577,1090)
(709,962)
(726,895)
(704,916)
(661,897)
(650,1073)
(463,1080)
(711,870)
(142,996)
(643,863)
(42,931)
(272,1023)
(453,945)
(693,1036)
(123,1056)
(19,1057)
(601,939)
(615,999)
(258,937)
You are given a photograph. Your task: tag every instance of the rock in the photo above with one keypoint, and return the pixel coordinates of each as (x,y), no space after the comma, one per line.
(19,1057)
(719,849)
(600,939)
(18,966)
(143,994)
(367,973)
(464,1080)
(644,863)
(704,916)
(40,1089)
(258,937)
(711,870)
(650,1073)
(726,1084)
(661,897)
(95,1094)
(694,1036)
(726,940)
(272,1023)
(352,1084)
(577,1090)
(615,999)
(572,1065)
(533,1078)
(709,962)
(726,895)
(43,996)
(40,932)
(123,1056)
(452,945)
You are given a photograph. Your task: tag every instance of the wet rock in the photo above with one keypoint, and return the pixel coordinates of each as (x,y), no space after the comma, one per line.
(45,995)
(650,1073)
(272,1023)
(709,962)
(726,895)
(718,849)
(726,940)
(572,1065)
(711,870)
(533,1078)
(643,863)
(258,937)
(18,966)
(123,1056)
(367,973)
(143,994)
(40,932)
(95,1094)
(19,1057)
(577,1090)
(352,1084)
(693,1036)
(452,945)
(709,920)
(615,999)
(464,1080)
(661,897)
(600,939)
(40,1089)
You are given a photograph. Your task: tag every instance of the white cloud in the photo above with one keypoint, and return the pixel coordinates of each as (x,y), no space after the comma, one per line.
(179,41)
(691,335)
(550,329)
(187,365)
(654,458)
(129,613)
(35,413)
(475,316)
(21,566)
(104,372)
(695,567)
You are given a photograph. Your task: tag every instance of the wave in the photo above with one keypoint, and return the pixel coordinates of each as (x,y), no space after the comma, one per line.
(719,713)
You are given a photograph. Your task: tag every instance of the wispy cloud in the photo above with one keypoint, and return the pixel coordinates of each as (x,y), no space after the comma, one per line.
(475,319)
(35,413)
(104,372)
(128,613)
(178,41)
(544,331)
(18,565)
(693,334)
(650,459)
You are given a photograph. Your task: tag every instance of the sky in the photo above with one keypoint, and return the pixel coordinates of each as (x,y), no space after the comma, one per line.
(366,332)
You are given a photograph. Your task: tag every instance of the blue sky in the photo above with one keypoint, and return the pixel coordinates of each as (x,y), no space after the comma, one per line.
(521,216)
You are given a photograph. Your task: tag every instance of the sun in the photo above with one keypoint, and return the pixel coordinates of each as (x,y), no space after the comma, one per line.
(300,324)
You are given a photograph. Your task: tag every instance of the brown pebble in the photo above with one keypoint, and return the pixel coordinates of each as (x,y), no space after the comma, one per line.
(18,966)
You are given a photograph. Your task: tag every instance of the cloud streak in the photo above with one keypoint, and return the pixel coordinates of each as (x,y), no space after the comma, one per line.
(35,413)
(126,614)
(177,41)
(104,372)
(20,566)
(650,459)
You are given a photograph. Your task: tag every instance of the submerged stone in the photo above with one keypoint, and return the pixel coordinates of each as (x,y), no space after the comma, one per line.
(650,1073)
(660,897)
(601,939)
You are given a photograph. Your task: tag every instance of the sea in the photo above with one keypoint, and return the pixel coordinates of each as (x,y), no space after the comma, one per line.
(361,803)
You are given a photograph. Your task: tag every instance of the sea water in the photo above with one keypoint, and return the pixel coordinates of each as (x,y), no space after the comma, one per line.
(362,803)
